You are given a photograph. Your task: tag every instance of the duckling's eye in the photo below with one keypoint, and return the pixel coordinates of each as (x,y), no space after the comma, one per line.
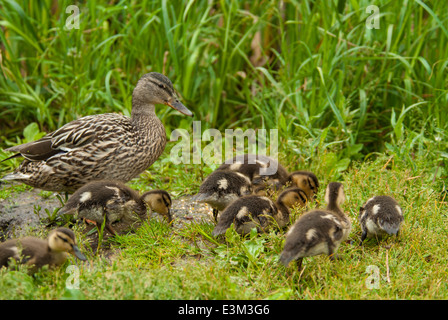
(63,239)
(161,86)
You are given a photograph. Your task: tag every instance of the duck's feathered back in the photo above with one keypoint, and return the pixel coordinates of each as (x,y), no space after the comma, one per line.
(104,146)
(90,148)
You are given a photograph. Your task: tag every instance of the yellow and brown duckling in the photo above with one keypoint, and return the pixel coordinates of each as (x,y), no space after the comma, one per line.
(305,180)
(259,212)
(221,188)
(37,253)
(100,146)
(253,167)
(318,231)
(380,216)
(111,201)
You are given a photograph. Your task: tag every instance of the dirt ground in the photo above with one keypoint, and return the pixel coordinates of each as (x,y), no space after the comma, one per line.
(20,216)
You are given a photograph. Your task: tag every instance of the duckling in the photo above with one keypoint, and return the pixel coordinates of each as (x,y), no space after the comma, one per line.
(306,181)
(104,146)
(37,253)
(318,231)
(380,216)
(251,165)
(114,201)
(269,188)
(254,211)
(221,188)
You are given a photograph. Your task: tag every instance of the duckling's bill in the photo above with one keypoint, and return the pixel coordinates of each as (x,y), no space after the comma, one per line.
(78,254)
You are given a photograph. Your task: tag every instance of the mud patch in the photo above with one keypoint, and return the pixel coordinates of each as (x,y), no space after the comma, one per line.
(24,213)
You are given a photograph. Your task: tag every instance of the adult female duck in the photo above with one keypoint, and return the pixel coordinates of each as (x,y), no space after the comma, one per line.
(104,146)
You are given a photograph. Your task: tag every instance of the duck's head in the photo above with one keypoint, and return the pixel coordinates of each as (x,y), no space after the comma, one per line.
(159,201)
(155,88)
(307,181)
(334,194)
(63,240)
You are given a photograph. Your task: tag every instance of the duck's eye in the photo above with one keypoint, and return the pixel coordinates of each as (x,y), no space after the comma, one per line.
(63,239)
(161,86)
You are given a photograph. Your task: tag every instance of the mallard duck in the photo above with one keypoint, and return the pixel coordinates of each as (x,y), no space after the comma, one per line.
(104,146)
(37,253)
(254,211)
(305,180)
(318,231)
(252,167)
(110,201)
(380,216)
(221,188)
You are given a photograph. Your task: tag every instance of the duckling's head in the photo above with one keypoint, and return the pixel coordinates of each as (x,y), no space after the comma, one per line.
(335,195)
(63,240)
(155,88)
(159,201)
(292,197)
(305,180)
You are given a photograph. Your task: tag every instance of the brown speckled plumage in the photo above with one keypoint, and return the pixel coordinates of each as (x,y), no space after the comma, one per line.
(104,146)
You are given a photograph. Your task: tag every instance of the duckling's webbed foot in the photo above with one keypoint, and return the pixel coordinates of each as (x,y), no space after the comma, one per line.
(299,264)
(215,214)
(363,236)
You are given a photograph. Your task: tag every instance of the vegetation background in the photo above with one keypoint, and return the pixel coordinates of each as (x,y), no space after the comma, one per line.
(364,106)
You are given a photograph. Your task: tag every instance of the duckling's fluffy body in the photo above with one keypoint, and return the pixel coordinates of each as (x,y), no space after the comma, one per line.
(318,231)
(259,212)
(115,201)
(245,213)
(221,188)
(380,216)
(252,166)
(37,253)
(104,146)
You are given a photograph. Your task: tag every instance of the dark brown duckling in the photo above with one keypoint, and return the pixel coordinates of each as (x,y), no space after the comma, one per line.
(221,188)
(380,216)
(259,212)
(37,253)
(318,231)
(252,166)
(114,201)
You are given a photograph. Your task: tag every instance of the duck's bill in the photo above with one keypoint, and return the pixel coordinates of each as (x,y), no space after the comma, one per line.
(78,254)
(180,107)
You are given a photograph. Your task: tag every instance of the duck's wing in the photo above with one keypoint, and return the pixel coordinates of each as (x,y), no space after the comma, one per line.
(74,134)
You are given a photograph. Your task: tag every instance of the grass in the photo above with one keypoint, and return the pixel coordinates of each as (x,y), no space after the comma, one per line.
(365,107)
(298,67)
(159,262)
